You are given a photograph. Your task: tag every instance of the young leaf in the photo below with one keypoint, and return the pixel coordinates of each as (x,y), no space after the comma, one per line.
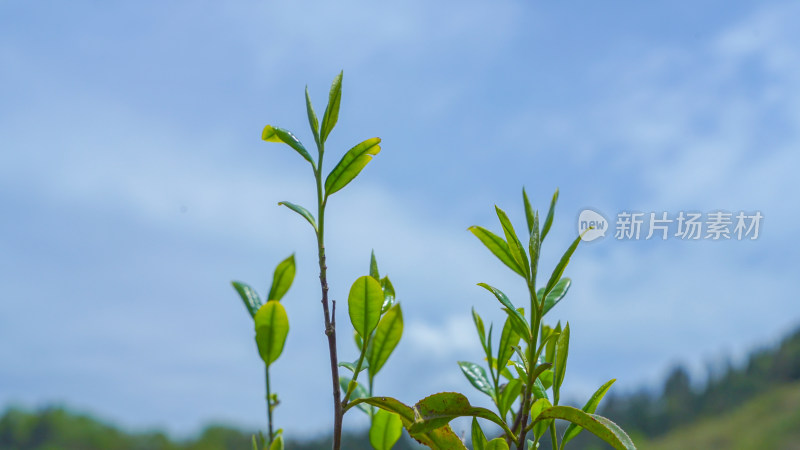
(385,430)
(507,396)
(331,115)
(275,134)
(358,392)
(497,444)
(536,409)
(555,295)
(528,211)
(508,340)
(549,220)
(249,297)
(599,425)
(387,335)
(509,307)
(313,122)
(550,347)
(364,304)
(560,368)
(477,376)
(303,212)
(351,164)
(388,294)
(478,438)
(514,245)
(282,279)
(498,247)
(272,327)
(277,444)
(534,246)
(359,341)
(562,264)
(479,327)
(373,267)
(590,407)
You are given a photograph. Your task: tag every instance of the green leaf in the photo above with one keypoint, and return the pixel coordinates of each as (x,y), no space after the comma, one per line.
(528,211)
(480,328)
(359,391)
(359,341)
(272,327)
(555,295)
(303,212)
(477,376)
(351,164)
(313,122)
(388,294)
(599,425)
(441,438)
(497,444)
(438,410)
(536,408)
(478,438)
(275,134)
(534,246)
(562,264)
(277,444)
(590,407)
(282,279)
(539,391)
(352,366)
(249,297)
(373,267)
(331,115)
(387,335)
(549,220)
(550,347)
(514,245)
(507,396)
(509,307)
(364,304)
(560,367)
(508,340)
(498,247)
(385,430)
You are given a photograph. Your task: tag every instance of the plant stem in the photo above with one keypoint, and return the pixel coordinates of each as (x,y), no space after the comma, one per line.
(269,405)
(353,381)
(553,437)
(330,319)
(532,360)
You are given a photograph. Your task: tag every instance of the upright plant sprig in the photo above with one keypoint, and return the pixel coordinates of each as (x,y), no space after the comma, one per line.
(271,329)
(541,362)
(343,173)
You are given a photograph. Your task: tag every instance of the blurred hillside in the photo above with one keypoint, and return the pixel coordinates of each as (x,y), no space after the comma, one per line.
(754,406)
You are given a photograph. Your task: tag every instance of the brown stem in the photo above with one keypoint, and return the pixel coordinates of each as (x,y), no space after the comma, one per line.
(330,332)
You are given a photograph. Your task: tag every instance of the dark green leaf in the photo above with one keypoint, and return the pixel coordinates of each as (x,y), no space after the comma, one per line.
(498,247)
(275,134)
(534,246)
(560,367)
(351,164)
(507,396)
(555,296)
(477,376)
(514,245)
(282,279)
(352,366)
(509,307)
(439,409)
(549,220)
(478,438)
(303,212)
(599,425)
(479,327)
(387,335)
(272,327)
(590,407)
(385,430)
(249,297)
(331,115)
(364,305)
(562,264)
(313,122)
(508,340)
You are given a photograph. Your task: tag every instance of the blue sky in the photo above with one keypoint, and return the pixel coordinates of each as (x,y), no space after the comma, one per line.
(134,187)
